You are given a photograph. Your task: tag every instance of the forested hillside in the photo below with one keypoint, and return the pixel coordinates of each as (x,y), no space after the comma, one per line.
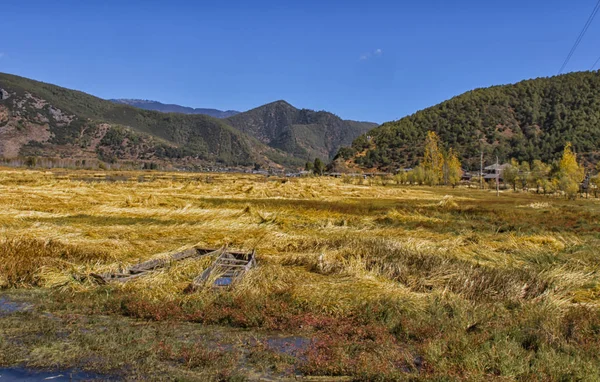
(46,120)
(529,120)
(304,133)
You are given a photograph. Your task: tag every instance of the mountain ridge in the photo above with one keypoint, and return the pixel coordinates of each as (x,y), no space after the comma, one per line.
(41,119)
(173,108)
(305,133)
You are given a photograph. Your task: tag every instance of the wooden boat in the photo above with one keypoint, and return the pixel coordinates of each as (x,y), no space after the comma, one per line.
(225,271)
(145,267)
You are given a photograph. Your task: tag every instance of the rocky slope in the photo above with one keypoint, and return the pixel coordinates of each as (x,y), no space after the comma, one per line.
(46,120)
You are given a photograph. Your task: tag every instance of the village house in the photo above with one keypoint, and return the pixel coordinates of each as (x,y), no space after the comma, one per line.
(494,171)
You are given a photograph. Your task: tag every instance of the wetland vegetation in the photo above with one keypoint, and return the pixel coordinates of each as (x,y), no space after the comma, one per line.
(356,279)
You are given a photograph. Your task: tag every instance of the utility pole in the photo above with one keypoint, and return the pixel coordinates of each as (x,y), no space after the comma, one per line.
(497,177)
(481,171)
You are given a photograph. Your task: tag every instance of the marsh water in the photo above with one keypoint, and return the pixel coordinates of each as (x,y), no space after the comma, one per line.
(22,374)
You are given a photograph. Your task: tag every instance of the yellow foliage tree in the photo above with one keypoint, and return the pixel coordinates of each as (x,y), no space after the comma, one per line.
(416,175)
(595,180)
(539,174)
(511,173)
(570,172)
(433,160)
(452,168)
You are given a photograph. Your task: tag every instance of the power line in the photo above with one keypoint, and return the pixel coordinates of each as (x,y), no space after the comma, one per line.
(580,37)
(595,63)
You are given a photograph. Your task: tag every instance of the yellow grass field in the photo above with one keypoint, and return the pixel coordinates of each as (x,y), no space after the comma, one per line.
(357,279)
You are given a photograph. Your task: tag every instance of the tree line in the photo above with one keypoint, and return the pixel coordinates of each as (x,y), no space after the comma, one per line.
(565,175)
(443,167)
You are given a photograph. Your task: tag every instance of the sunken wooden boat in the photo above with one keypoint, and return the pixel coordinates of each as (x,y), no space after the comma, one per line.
(145,267)
(229,267)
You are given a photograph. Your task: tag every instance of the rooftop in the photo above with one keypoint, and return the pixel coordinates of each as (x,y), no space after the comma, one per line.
(497,166)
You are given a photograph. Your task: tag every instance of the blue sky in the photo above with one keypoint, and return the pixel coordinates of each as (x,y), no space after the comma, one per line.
(368,60)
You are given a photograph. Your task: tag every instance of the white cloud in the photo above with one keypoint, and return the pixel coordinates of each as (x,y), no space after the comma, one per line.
(375,53)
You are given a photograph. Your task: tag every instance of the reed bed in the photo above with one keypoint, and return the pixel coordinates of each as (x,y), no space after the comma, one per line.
(388,282)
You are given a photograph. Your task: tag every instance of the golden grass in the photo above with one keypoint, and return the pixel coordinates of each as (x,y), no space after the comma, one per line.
(284,219)
(327,246)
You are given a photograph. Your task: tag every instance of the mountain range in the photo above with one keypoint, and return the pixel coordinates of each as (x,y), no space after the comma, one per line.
(172,108)
(303,133)
(44,120)
(529,120)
